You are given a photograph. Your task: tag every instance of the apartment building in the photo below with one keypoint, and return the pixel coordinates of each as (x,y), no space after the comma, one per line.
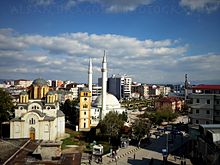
(204,106)
(119,86)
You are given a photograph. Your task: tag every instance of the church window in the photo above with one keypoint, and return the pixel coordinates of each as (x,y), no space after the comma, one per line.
(48,108)
(21,108)
(85,106)
(85,99)
(84,113)
(32,121)
(84,125)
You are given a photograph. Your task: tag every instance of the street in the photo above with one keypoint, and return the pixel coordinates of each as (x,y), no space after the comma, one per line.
(146,154)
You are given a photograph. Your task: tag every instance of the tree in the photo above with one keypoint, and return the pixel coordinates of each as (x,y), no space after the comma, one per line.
(70,111)
(141,127)
(111,124)
(6,107)
(123,116)
(164,113)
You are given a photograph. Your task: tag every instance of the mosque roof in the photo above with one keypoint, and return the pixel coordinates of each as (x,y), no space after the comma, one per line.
(111,101)
(39,82)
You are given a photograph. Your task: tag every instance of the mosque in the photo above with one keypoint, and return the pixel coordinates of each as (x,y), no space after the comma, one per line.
(90,115)
(37,115)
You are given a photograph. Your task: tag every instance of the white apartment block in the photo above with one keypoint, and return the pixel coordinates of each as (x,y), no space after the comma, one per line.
(205,104)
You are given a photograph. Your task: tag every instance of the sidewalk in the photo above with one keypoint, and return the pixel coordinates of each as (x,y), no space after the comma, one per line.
(121,152)
(178,160)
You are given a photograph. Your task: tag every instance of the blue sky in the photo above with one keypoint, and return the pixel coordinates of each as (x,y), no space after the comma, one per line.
(154,41)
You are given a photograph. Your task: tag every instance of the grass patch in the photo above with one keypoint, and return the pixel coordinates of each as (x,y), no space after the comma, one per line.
(73,139)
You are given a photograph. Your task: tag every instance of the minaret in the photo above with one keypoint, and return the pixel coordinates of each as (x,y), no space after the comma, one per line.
(104,84)
(90,75)
(186,87)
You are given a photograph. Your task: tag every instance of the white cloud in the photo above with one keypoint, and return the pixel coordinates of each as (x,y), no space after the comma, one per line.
(65,56)
(41,2)
(113,5)
(201,5)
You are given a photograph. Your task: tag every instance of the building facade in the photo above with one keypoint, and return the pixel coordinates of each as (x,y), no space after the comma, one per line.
(84,110)
(37,115)
(204,106)
(120,86)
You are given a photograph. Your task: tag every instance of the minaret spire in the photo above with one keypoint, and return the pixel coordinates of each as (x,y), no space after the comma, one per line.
(186,85)
(104,84)
(90,75)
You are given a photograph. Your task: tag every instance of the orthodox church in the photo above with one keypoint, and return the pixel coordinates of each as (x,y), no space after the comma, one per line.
(92,112)
(37,115)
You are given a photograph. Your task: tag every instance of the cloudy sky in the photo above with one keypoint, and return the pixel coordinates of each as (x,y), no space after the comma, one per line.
(154,41)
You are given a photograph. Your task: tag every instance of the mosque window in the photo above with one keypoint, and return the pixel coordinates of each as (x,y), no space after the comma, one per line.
(32,121)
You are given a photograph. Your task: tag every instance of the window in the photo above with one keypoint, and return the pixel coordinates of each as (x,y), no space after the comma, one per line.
(84,125)
(197,110)
(197,100)
(84,113)
(207,122)
(208,101)
(197,121)
(217,102)
(208,112)
(31,121)
(85,106)
(85,99)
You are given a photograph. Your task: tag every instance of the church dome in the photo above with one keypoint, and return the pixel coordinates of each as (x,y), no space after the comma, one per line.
(24,93)
(111,101)
(39,82)
(51,93)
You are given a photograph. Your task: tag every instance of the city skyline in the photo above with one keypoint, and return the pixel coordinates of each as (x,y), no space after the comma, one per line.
(151,40)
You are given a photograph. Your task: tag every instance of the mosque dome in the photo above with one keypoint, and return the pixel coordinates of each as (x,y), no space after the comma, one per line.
(39,82)
(111,101)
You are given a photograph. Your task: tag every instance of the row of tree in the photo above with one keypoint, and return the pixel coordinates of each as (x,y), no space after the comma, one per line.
(6,108)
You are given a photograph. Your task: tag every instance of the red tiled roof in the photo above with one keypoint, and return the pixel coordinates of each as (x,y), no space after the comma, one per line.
(212,87)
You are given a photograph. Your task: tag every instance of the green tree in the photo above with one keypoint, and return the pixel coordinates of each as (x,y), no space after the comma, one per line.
(164,113)
(70,111)
(140,128)
(111,124)
(123,116)
(6,107)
